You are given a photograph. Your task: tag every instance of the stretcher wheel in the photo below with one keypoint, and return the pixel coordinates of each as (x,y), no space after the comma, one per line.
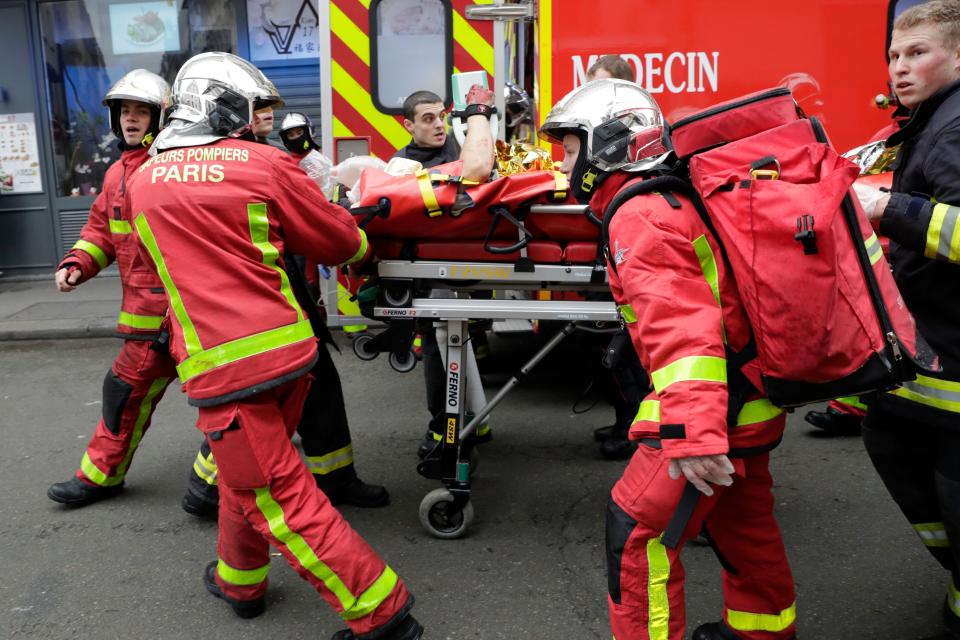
(438,519)
(360,344)
(404,363)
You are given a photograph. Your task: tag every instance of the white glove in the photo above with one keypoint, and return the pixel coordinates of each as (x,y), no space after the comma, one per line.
(700,470)
(869,197)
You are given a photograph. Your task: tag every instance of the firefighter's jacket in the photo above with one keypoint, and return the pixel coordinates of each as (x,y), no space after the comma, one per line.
(215,221)
(682,311)
(922,221)
(107,236)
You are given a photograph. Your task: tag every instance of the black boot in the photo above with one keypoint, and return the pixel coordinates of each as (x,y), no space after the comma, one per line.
(952,623)
(201,500)
(77,493)
(359,494)
(406,629)
(717,631)
(602,434)
(243,608)
(835,422)
(617,446)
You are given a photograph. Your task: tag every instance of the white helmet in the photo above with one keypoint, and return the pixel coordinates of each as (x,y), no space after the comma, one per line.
(214,97)
(142,86)
(619,125)
(302,143)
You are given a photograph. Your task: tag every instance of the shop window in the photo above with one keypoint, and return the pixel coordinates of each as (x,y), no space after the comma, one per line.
(90,44)
(283,31)
(411,50)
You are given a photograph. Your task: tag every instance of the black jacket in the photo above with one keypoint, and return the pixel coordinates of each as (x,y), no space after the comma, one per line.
(430,157)
(924,230)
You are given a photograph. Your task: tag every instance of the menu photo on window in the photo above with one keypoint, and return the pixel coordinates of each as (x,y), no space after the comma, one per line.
(144,27)
(283,30)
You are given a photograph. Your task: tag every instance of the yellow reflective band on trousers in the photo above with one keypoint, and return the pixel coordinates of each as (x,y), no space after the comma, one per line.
(241,577)
(773,623)
(874,250)
(933,392)
(260,236)
(943,234)
(627,313)
(190,338)
(425,182)
(97,476)
(708,265)
(120,226)
(953,599)
(353,606)
(852,401)
(139,322)
(658,603)
(753,412)
(705,368)
(322,465)
(362,251)
(245,347)
(206,467)
(932,534)
(98,254)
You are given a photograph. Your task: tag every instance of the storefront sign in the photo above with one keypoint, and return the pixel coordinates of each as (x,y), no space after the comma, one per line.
(19,158)
(283,29)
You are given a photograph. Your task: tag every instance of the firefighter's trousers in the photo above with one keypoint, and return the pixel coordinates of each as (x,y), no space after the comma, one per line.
(645,578)
(268,497)
(323,429)
(920,466)
(131,390)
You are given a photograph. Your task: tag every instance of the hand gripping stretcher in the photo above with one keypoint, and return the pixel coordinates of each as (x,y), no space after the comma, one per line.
(449,281)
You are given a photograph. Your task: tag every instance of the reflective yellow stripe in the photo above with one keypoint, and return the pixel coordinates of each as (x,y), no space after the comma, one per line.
(96,252)
(260,236)
(341,130)
(370,599)
(139,322)
(241,577)
(352,606)
(473,42)
(658,605)
(933,534)
(627,313)
(205,468)
(560,184)
(362,251)
(753,412)
(359,98)
(322,465)
(744,621)
(941,394)
(245,347)
(953,599)
(852,401)
(706,368)
(120,226)
(708,266)
(190,338)
(874,250)
(425,182)
(943,233)
(97,476)
(352,35)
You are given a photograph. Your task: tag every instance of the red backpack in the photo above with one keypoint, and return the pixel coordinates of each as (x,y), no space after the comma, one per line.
(826,315)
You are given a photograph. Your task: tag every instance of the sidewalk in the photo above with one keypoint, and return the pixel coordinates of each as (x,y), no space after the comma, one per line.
(35,310)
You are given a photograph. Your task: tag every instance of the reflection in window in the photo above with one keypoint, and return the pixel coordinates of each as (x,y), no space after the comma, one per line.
(90,44)
(411,45)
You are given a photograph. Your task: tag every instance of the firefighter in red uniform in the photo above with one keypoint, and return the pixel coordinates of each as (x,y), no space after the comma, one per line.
(684,315)
(215,211)
(143,369)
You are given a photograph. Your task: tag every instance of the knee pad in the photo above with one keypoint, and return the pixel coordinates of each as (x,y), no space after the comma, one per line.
(116,392)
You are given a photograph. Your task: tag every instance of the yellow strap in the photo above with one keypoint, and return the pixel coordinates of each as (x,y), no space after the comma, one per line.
(425,182)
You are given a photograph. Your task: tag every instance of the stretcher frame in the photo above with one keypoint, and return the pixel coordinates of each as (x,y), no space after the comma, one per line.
(448,511)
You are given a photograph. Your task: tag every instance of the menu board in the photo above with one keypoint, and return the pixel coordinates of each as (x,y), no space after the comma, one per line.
(19,158)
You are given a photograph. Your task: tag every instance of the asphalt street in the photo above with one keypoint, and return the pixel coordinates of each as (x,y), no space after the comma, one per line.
(531,567)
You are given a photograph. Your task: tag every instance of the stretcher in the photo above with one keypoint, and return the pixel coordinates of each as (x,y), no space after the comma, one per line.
(449,283)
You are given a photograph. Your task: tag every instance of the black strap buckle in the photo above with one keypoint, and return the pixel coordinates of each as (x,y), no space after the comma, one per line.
(805,234)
